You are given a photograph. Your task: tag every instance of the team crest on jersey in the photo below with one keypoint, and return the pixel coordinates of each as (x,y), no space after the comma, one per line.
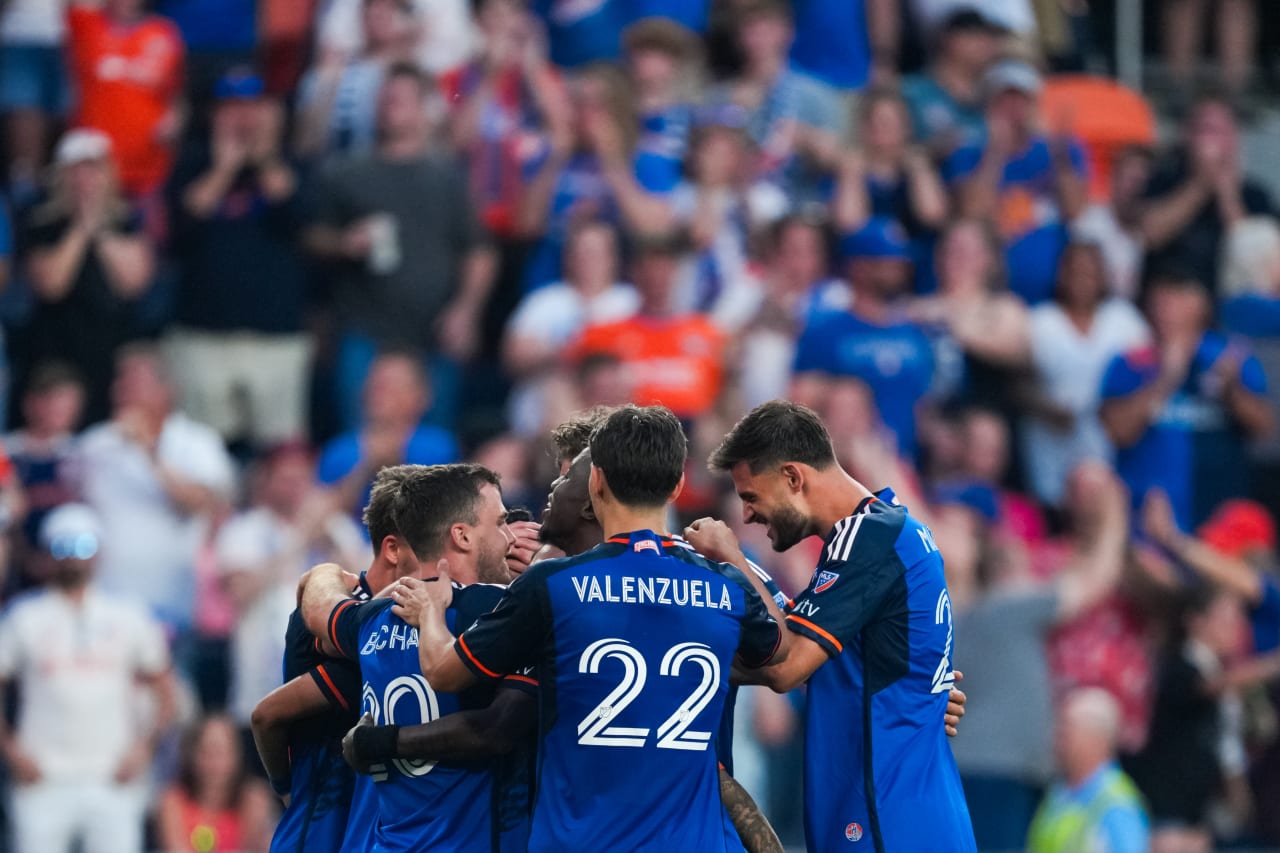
(646,545)
(853,832)
(825,581)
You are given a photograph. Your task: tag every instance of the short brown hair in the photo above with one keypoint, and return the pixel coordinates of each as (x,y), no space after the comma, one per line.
(574,435)
(641,452)
(420,503)
(773,433)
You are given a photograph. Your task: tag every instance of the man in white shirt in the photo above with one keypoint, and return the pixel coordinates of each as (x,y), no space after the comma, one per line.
(153,475)
(80,755)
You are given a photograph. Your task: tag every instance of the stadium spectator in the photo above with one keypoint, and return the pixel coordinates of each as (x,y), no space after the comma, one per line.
(1115,225)
(675,357)
(442,38)
(88,261)
(498,103)
(337,108)
(946,99)
(214,805)
(1198,193)
(219,35)
(723,208)
(1005,616)
(592,170)
(238,351)
(886,176)
(845,46)
(579,34)
(34,91)
(1073,340)
(1028,179)
(153,475)
(1014,16)
(871,341)
(663,62)
(289,526)
(127,70)
(1177,410)
(796,286)
(1185,762)
(51,411)
(1095,806)
(82,662)
(789,115)
(979,329)
(397,393)
(1183,24)
(407,274)
(551,318)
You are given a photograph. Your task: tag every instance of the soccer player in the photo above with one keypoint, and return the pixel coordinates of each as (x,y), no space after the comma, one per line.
(877,614)
(634,641)
(423,804)
(299,725)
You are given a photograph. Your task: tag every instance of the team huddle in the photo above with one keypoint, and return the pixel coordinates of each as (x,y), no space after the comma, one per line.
(587,705)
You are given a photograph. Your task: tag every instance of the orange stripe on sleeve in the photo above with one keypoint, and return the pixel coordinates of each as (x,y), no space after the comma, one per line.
(333,688)
(819,631)
(462,644)
(333,623)
(526,679)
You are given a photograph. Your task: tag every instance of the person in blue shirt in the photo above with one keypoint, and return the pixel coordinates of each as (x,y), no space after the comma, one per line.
(633,641)
(397,395)
(871,635)
(662,62)
(1031,184)
(873,341)
(844,43)
(419,802)
(1179,410)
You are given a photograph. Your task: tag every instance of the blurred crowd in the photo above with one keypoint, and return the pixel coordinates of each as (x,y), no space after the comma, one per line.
(254,251)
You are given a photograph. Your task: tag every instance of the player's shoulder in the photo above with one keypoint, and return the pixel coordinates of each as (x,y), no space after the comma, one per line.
(869,532)
(477,598)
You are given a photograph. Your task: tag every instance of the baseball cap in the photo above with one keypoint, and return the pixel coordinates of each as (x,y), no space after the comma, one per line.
(968,19)
(82,145)
(880,238)
(1239,526)
(1012,74)
(71,531)
(239,84)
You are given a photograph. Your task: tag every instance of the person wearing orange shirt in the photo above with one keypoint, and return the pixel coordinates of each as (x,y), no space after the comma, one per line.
(127,69)
(676,360)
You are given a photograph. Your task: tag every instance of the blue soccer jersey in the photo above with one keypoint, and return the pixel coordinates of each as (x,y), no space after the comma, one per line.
(878,768)
(633,643)
(422,805)
(321,786)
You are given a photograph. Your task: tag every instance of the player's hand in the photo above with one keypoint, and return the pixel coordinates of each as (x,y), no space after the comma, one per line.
(415,598)
(357,762)
(134,764)
(22,767)
(714,540)
(521,552)
(955,707)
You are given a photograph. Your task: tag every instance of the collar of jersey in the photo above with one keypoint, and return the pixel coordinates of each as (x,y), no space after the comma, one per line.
(627,538)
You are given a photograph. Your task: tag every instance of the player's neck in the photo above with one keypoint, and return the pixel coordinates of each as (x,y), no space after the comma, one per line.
(837,496)
(616,519)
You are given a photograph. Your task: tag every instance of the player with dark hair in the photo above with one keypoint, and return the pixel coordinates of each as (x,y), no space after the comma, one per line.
(421,804)
(634,639)
(876,762)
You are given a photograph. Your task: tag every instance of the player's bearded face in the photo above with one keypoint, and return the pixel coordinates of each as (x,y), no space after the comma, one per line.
(787,526)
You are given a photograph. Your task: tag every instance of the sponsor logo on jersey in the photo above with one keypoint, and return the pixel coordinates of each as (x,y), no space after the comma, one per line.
(825,580)
(853,832)
(646,545)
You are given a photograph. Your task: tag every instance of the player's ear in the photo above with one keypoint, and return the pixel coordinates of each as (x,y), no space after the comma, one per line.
(461,536)
(679,488)
(793,476)
(389,550)
(595,482)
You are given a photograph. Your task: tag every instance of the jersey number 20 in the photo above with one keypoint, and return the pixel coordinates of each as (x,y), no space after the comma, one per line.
(595,730)
(421,698)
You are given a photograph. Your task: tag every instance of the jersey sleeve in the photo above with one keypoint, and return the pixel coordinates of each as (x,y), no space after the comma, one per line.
(760,633)
(346,619)
(859,567)
(507,639)
(339,683)
(1252,376)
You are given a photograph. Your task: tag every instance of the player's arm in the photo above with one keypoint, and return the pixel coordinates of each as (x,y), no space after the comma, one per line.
(752,826)
(299,698)
(320,591)
(461,736)
(423,603)
(802,661)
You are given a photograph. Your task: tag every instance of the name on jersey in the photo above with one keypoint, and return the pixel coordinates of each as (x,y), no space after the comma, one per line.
(679,592)
(399,637)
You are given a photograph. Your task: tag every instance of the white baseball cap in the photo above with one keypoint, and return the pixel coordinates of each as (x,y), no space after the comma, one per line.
(1012,74)
(81,145)
(71,530)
